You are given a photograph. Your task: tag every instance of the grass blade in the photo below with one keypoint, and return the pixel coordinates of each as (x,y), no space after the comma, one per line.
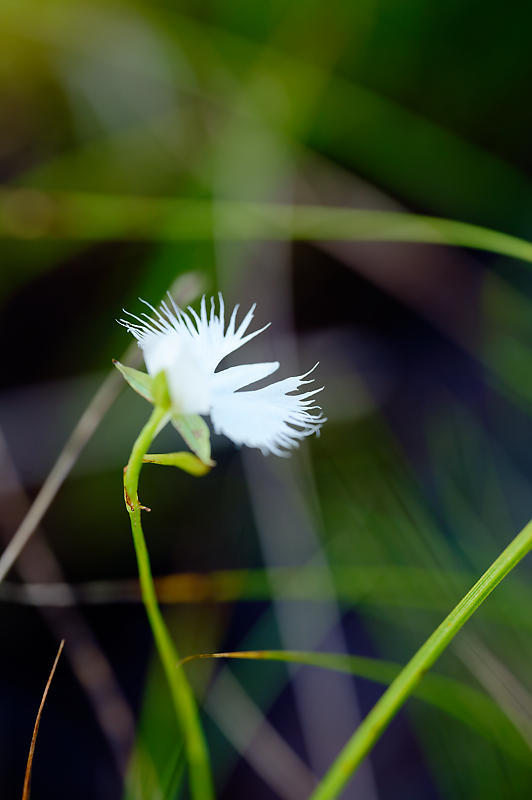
(465,703)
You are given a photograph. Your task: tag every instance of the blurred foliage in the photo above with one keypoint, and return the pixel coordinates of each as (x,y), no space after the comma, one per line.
(139,142)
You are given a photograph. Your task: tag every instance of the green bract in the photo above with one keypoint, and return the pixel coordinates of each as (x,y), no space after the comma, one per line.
(192,427)
(196,434)
(141,382)
(161,395)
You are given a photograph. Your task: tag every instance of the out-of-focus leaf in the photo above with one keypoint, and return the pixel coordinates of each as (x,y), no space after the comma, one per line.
(86,215)
(156,767)
(95,216)
(465,703)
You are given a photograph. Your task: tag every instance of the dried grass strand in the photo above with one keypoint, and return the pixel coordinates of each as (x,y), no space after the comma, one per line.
(29,763)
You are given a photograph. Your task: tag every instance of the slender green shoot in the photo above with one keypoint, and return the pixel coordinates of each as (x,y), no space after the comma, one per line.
(402,687)
(183,699)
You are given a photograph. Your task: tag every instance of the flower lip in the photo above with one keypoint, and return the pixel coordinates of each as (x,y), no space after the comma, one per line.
(189,346)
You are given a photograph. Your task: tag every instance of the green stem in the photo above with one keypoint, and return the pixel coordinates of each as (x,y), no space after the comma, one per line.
(397,693)
(183,699)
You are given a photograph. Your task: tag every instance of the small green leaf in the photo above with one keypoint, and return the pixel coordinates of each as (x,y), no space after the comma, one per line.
(183,460)
(139,381)
(196,434)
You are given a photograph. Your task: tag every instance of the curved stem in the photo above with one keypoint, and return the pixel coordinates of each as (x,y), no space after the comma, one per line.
(397,693)
(182,697)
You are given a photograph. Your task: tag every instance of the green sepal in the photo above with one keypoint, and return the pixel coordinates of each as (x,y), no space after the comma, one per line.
(196,434)
(186,461)
(160,392)
(141,382)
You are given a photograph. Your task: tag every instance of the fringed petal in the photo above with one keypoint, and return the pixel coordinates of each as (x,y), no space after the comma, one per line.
(209,341)
(268,418)
(234,378)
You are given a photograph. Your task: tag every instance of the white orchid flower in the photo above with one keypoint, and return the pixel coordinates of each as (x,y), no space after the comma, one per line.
(188,347)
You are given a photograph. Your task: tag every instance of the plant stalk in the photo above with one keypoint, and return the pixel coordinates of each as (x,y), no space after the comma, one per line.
(201,785)
(397,693)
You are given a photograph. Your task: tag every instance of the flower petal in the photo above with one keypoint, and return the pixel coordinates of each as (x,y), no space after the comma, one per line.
(189,384)
(233,378)
(268,418)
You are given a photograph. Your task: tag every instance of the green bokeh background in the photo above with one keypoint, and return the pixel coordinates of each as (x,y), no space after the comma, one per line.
(128,132)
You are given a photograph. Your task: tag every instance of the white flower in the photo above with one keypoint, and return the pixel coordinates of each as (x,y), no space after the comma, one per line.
(189,346)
